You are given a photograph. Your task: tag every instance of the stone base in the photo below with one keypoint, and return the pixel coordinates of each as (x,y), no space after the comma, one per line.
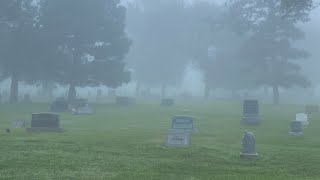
(296,133)
(248,155)
(43,129)
(251,121)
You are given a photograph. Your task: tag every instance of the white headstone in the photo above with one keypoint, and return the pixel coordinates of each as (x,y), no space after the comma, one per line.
(303,118)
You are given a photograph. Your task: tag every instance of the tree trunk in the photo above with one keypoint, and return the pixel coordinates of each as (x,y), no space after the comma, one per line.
(163,90)
(206,91)
(72,92)
(14,88)
(276,98)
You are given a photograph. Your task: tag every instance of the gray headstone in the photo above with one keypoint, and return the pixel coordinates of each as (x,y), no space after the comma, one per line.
(59,105)
(46,122)
(167,102)
(296,128)
(311,109)
(248,146)
(183,123)
(175,139)
(125,101)
(18,123)
(86,110)
(251,112)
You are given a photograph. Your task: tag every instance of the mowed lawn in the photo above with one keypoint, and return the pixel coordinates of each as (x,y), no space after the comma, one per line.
(128,143)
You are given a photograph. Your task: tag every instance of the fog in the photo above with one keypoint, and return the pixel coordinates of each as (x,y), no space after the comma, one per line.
(168,48)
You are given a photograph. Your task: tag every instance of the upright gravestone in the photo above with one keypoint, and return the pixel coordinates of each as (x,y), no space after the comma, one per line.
(248,150)
(175,139)
(183,123)
(26,98)
(303,118)
(296,128)
(251,113)
(167,102)
(125,101)
(18,123)
(45,122)
(59,105)
(81,107)
(311,109)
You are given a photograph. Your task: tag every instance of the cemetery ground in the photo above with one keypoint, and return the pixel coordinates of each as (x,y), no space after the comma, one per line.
(128,143)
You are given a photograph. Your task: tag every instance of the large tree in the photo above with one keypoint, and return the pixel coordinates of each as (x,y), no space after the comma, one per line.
(269,50)
(91,38)
(17,23)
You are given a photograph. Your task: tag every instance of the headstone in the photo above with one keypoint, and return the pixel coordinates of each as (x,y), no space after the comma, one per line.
(45,122)
(112,93)
(251,113)
(303,118)
(296,128)
(175,139)
(167,102)
(125,101)
(59,105)
(311,109)
(183,123)
(81,107)
(26,98)
(248,150)
(18,123)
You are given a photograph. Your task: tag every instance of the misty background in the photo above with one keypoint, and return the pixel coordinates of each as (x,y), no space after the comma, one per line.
(192,82)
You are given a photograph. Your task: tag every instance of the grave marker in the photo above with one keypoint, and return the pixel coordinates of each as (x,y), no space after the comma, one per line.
(251,113)
(167,102)
(182,123)
(303,118)
(45,122)
(248,150)
(296,128)
(175,139)
(311,109)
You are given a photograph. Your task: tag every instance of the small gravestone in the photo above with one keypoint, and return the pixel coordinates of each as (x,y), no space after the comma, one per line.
(303,118)
(26,98)
(81,107)
(18,123)
(112,93)
(248,150)
(175,139)
(125,101)
(167,102)
(45,122)
(251,113)
(311,109)
(296,128)
(183,123)
(59,105)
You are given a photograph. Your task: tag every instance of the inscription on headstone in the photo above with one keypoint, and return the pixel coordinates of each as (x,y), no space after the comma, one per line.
(49,122)
(178,139)
(251,112)
(296,128)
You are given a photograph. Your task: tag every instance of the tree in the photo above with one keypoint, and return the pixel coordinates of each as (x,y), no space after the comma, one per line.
(17,20)
(269,51)
(91,38)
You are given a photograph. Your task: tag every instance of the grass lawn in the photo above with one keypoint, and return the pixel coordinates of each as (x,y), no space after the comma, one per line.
(127,143)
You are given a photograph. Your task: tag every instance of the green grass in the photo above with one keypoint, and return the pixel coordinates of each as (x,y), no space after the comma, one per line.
(127,143)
